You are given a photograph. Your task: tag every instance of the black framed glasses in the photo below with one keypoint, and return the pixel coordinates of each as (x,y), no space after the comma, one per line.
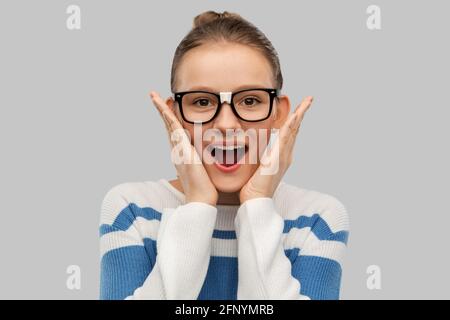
(249,104)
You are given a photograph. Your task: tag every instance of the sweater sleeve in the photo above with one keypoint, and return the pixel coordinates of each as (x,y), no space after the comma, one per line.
(265,271)
(178,270)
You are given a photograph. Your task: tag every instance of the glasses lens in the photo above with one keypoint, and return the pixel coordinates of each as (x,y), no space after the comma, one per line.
(199,106)
(252,104)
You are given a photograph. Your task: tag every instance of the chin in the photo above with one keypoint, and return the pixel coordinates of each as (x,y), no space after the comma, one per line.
(229,183)
(228,188)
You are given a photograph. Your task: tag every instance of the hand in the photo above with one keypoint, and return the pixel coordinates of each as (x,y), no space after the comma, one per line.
(197,185)
(261,184)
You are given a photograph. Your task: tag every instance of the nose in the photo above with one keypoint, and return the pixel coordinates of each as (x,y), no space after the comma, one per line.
(226,119)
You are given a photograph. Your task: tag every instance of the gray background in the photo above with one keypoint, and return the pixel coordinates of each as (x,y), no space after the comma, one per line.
(75,120)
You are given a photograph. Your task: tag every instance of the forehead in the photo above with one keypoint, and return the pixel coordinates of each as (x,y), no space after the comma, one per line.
(223,67)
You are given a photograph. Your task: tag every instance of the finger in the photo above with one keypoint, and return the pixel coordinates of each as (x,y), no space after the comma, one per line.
(288,132)
(295,122)
(170,121)
(301,110)
(288,126)
(160,109)
(165,111)
(156,99)
(167,126)
(298,114)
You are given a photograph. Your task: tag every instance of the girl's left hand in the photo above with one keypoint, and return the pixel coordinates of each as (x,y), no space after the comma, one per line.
(262,184)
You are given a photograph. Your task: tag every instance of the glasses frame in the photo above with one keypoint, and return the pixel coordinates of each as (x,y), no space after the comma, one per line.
(178,96)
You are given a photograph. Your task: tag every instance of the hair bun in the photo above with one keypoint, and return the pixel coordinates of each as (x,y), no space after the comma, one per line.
(209,16)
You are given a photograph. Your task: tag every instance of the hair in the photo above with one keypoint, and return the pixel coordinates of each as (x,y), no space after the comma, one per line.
(211,26)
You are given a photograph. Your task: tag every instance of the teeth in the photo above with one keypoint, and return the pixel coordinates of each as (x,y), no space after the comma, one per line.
(222,148)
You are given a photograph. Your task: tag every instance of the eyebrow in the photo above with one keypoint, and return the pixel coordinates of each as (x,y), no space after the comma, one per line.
(248,86)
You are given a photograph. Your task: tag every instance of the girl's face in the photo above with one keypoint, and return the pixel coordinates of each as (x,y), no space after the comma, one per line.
(227,67)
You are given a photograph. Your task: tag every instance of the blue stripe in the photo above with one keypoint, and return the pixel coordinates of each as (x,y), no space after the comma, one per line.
(127,216)
(106,228)
(292,254)
(123,270)
(320,278)
(150,247)
(224,234)
(318,226)
(221,279)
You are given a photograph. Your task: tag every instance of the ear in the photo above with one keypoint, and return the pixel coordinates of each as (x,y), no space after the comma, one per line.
(171,103)
(283,106)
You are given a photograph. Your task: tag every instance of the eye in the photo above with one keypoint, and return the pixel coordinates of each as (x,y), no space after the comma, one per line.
(203,102)
(250,101)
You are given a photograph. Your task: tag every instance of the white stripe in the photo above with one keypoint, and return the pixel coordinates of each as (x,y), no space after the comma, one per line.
(147,228)
(310,245)
(228,247)
(142,194)
(119,239)
(324,248)
(141,228)
(295,202)
(224,247)
(295,237)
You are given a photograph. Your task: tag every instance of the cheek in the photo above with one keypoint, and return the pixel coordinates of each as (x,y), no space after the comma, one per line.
(265,137)
(195,141)
(259,140)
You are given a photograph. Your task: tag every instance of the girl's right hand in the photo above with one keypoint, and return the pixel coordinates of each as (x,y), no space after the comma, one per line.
(197,185)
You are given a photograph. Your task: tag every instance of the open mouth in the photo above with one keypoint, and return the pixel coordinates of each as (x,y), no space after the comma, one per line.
(228,155)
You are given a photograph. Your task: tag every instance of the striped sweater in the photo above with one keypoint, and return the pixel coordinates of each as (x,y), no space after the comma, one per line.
(154,245)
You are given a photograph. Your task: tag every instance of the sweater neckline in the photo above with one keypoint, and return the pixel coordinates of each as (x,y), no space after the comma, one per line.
(225,212)
(180,195)
(182,198)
